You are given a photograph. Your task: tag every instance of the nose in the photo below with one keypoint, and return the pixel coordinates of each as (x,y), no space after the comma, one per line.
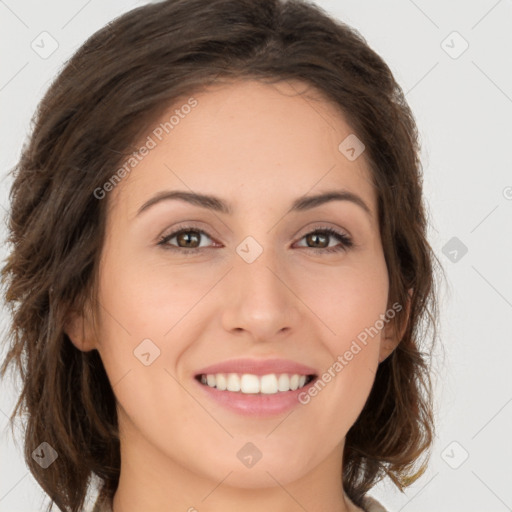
(262,299)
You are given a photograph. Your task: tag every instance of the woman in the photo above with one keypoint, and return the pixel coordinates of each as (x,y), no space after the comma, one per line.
(219,267)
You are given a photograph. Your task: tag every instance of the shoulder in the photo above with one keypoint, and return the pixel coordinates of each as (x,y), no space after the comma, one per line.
(372,505)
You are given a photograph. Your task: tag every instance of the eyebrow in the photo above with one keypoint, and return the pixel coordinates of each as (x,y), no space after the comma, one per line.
(216,204)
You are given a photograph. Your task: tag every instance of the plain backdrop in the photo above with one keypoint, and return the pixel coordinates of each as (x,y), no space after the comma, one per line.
(454,62)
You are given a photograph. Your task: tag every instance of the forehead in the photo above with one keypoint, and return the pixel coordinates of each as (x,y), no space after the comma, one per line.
(250,142)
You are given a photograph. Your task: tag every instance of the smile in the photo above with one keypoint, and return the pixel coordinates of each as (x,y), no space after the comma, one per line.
(248,383)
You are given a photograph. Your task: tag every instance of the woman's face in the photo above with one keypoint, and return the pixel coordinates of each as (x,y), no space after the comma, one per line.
(263,285)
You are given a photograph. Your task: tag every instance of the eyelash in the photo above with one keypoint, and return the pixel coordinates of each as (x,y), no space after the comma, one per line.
(346,241)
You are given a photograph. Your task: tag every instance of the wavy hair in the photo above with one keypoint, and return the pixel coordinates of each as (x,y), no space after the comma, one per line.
(107,94)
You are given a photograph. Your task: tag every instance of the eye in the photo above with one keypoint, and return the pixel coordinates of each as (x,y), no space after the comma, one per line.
(190,239)
(319,234)
(187,235)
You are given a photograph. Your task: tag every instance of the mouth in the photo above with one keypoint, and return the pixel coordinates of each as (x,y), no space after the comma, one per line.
(252,384)
(256,387)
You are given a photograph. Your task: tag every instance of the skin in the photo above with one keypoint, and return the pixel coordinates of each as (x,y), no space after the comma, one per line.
(258,147)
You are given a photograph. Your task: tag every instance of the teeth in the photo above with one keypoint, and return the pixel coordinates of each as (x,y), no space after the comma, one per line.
(220,382)
(248,383)
(253,384)
(233,382)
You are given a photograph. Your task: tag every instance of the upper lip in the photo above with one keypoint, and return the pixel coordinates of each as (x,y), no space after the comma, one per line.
(258,367)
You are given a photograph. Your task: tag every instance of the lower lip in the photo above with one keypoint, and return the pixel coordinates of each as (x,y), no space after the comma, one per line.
(256,404)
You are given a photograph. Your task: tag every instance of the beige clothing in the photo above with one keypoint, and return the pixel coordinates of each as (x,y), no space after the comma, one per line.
(369,505)
(372,505)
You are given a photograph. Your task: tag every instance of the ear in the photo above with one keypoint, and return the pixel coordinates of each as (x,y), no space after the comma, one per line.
(78,327)
(391,339)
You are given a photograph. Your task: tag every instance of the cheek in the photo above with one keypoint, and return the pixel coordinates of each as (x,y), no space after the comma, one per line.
(149,314)
(149,300)
(349,302)
(163,301)
(350,305)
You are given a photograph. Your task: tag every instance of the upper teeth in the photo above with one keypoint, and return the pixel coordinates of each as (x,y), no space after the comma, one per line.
(249,383)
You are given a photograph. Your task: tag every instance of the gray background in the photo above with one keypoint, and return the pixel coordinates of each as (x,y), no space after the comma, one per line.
(463,106)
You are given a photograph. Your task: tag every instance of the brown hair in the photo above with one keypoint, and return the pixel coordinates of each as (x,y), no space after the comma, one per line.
(105,97)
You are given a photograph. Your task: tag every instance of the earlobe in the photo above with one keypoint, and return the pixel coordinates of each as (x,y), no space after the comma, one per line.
(391,338)
(78,330)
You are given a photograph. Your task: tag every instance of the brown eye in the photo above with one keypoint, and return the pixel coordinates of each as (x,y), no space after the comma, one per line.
(319,239)
(187,240)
